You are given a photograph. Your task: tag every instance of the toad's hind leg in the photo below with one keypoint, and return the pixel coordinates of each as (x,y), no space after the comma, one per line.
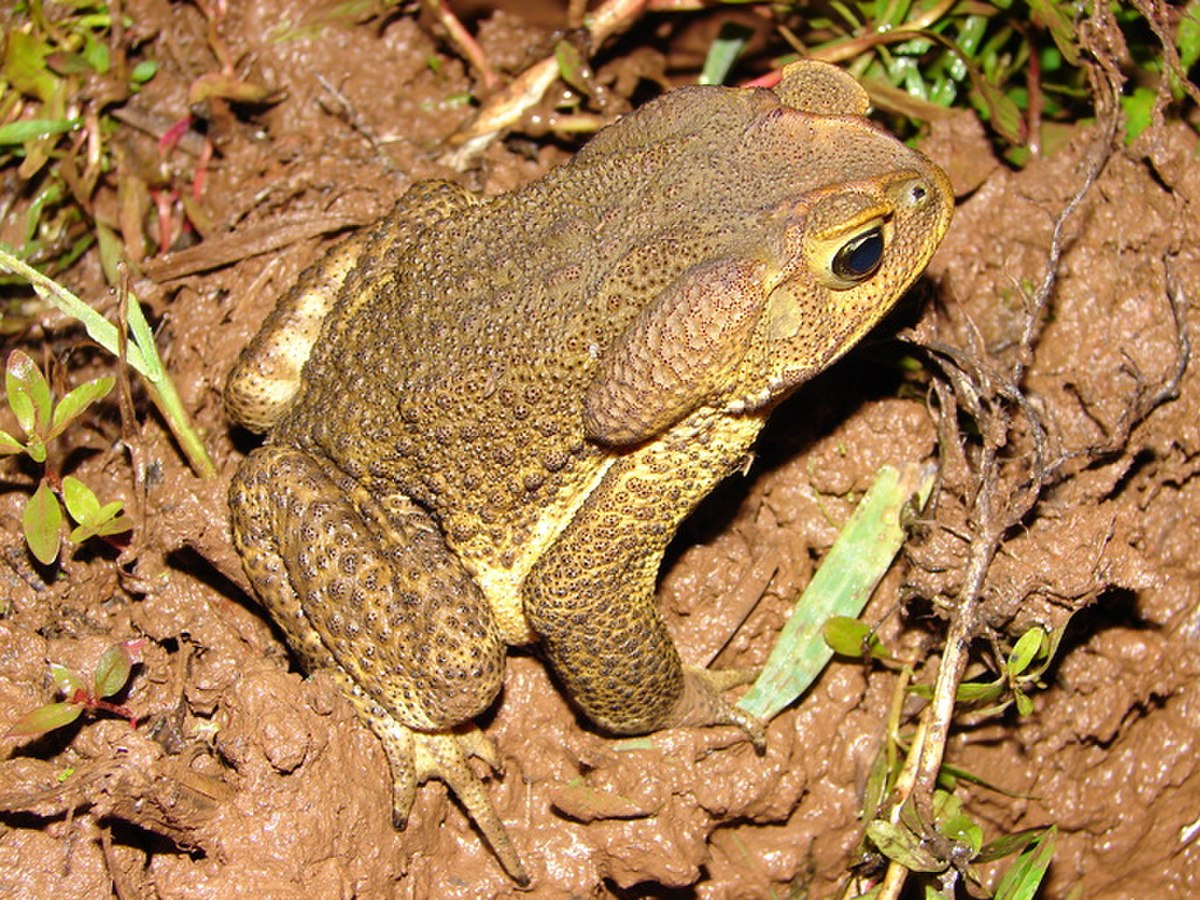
(372,594)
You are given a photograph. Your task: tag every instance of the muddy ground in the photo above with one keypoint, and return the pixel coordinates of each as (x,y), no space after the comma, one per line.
(243,779)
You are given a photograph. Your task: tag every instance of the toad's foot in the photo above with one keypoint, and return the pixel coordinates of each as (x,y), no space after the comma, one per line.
(703,702)
(417,756)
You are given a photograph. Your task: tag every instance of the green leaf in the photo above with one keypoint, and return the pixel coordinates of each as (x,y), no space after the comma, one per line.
(25,66)
(845,635)
(51,194)
(17,133)
(979,691)
(1138,107)
(45,718)
(67,682)
(1026,650)
(971,33)
(36,448)
(76,401)
(1187,35)
(42,523)
(898,843)
(878,786)
(1002,112)
(9,444)
(144,71)
(100,528)
(852,637)
(1021,882)
(28,393)
(98,328)
(93,518)
(1059,22)
(108,510)
(96,54)
(143,338)
(112,670)
(848,575)
(572,67)
(723,52)
(110,521)
(1024,703)
(1049,650)
(81,502)
(954,823)
(1009,844)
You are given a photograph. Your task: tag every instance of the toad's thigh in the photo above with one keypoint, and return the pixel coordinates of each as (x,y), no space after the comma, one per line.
(376,592)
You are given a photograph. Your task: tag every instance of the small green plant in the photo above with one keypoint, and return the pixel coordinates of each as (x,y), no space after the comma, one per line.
(955,845)
(1020,672)
(941,842)
(41,420)
(109,678)
(62,75)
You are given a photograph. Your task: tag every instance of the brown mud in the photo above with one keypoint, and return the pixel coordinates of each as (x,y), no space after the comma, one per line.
(246,780)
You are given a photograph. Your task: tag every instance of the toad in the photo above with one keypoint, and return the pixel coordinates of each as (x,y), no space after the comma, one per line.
(488,416)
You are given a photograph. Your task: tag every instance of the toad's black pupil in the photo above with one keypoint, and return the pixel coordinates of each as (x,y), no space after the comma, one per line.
(859,258)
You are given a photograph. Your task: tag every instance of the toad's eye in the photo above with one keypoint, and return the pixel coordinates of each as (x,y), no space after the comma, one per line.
(860,256)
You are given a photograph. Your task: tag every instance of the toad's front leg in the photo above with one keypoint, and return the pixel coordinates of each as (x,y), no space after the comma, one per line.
(591,598)
(370,592)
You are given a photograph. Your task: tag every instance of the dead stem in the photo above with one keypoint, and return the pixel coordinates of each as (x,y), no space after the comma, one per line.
(506,107)
(465,42)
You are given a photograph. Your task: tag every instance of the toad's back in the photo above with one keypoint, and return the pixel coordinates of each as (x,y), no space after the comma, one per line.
(454,365)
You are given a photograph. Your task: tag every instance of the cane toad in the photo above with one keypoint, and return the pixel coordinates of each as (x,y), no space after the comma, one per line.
(488,416)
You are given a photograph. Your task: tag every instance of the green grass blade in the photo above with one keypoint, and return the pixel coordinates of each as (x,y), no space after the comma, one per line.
(99,329)
(724,51)
(861,555)
(16,133)
(1021,882)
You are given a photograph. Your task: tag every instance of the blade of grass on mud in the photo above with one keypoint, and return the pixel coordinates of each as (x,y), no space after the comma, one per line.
(853,567)
(141,353)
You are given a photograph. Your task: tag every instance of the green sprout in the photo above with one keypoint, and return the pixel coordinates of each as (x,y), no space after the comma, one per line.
(109,678)
(1020,672)
(41,420)
(946,844)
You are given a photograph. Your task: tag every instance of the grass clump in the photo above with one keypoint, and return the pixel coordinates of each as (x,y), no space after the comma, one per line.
(61,79)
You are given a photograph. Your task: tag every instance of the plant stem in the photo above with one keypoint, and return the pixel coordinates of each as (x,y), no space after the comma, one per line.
(167,401)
